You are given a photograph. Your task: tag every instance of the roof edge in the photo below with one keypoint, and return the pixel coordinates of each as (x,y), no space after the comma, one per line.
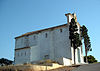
(38,31)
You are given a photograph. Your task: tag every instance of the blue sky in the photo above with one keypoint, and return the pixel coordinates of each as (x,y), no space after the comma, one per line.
(20,16)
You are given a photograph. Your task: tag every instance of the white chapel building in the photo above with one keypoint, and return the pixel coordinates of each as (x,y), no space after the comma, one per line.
(50,43)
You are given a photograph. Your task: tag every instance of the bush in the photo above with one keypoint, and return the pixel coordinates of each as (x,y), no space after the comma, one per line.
(90,58)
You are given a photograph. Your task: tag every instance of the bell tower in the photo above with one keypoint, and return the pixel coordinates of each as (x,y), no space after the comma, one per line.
(70,16)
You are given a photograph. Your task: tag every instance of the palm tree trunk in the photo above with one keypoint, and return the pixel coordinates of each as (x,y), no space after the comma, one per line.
(86,54)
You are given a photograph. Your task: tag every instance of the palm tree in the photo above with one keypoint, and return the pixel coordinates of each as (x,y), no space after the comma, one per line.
(86,38)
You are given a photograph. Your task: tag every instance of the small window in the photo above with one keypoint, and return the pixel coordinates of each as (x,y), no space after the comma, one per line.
(46,35)
(21,54)
(34,37)
(18,54)
(60,30)
(25,53)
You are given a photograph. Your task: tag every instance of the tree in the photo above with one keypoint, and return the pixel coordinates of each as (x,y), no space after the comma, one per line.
(74,36)
(4,61)
(86,38)
(90,58)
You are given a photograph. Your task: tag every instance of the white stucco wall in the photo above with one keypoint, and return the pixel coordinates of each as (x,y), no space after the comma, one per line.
(21,42)
(35,53)
(44,44)
(70,17)
(22,56)
(32,39)
(54,43)
(62,43)
(76,52)
(64,61)
(80,49)
(76,55)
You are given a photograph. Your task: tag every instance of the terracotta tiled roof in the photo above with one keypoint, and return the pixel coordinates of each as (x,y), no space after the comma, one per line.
(33,32)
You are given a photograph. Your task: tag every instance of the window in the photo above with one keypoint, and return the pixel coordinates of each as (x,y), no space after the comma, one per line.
(34,37)
(46,56)
(46,35)
(25,53)
(60,30)
(21,54)
(18,54)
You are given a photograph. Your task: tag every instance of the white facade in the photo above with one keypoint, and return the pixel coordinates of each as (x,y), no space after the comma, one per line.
(52,43)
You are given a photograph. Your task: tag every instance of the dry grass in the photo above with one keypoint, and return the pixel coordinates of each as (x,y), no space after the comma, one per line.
(29,67)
